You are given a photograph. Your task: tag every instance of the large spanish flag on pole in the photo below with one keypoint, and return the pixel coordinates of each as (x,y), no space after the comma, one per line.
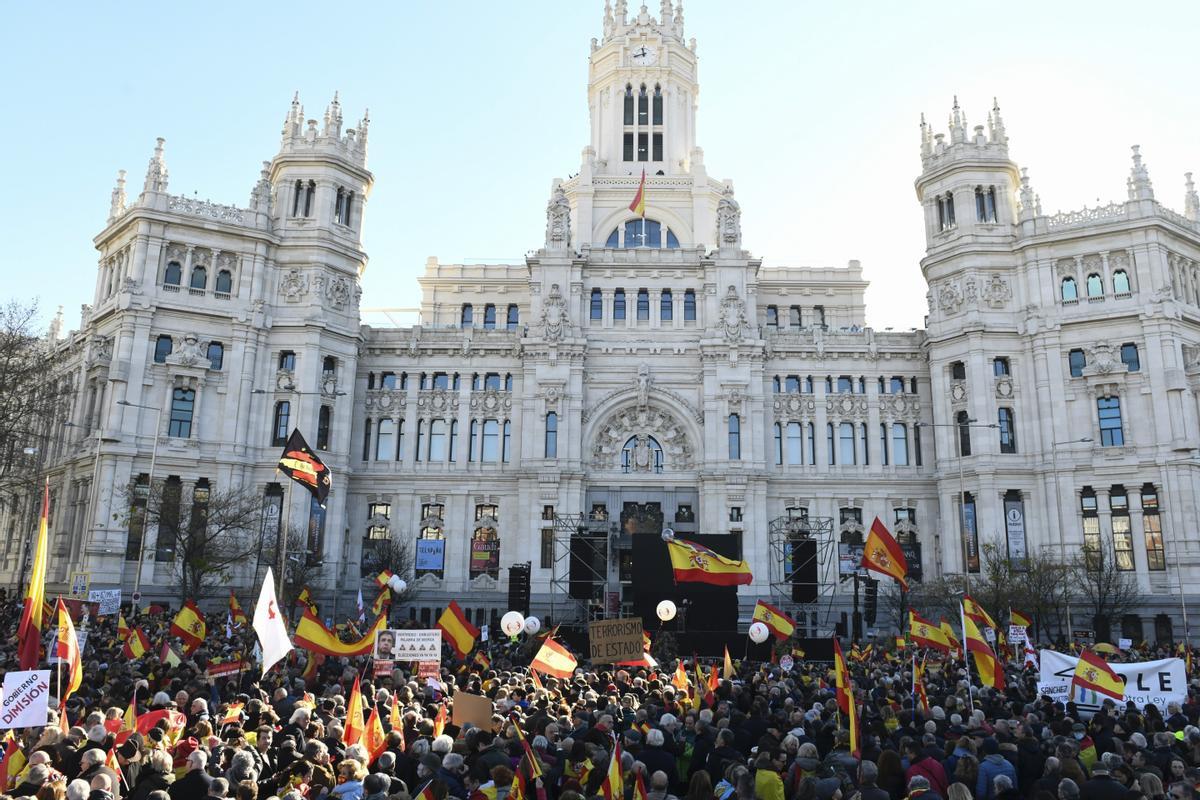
(29,632)
(977,613)
(882,554)
(68,653)
(189,626)
(845,696)
(991,670)
(779,623)
(312,635)
(554,659)
(638,206)
(695,563)
(926,634)
(457,630)
(1093,672)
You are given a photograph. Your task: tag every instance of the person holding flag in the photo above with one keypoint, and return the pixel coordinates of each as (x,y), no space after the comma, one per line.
(68,653)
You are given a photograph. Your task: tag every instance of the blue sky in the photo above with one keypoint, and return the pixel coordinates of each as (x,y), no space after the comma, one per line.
(810,108)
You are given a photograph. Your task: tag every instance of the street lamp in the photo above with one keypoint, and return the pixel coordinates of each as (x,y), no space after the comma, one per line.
(137,578)
(1062,535)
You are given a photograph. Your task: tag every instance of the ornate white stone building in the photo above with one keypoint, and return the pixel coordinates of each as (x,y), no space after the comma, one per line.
(641,373)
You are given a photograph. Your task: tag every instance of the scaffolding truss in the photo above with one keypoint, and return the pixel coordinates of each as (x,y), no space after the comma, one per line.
(797,563)
(568,528)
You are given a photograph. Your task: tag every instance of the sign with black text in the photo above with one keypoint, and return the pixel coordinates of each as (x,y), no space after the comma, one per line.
(611,641)
(1146,682)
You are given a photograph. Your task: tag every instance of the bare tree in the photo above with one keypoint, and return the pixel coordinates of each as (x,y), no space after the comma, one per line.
(206,537)
(1105,586)
(394,555)
(300,571)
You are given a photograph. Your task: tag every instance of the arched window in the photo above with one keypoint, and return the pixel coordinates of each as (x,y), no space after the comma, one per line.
(614,238)
(655,234)
(280,424)
(629,113)
(689,305)
(735,437)
(489,316)
(643,108)
(1069,290)
(1095,287)
(466,317)
(619,304)
(162,348)
(551,445)
(964,433)
(341,208)
(642,457)
(224,283)
(794,317)
(310,192)
(597,307)
(657,114)
(324,424)
(199,278)
(216,355)
(665,306)
(1120,282)
(985,204)
(174,274)
(299,190)
(513,317)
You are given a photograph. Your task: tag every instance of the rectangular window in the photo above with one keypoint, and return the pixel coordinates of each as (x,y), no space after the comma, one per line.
(778,443)
(1076,361)
(1008,432)
(1129,357)
(896,385)
(437,440)
(792,384)
(1152,529)
(657,139)
(795,447)
(491,380)
(643,304)
(385,441)
(366,451)
(162,349)
(846,438)
(453,451)
(735,437)
(473,444)
(627,153)
(506,445)
(216,355)
(917,443)
(183,403)
(883,443)
(168,520)
(899,444)
(689,306)
(513,318)
(866,450)
(619,304)
(658,107)
(845,384)
(287,361)
(441,381)
(1108,409)
(137,518)
(551,448)
(1000,366)
(773,317)
(491,441)
(665,306)
(419,453)
(1091,529)
(794,317)
(547,548)
(597,308)
(643,151)
(830,444)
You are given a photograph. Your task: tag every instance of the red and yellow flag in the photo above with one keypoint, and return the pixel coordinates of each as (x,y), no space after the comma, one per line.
(845,696)
(919,685)
(457,630)
(535,680)
(381,580)
(780,624)
(13,760)
(68,653)
(382,601)
(727,672)
(613,786)
(554,659)
(311,634)
(122,627)
(925,634)
(948,632)
(29,631)
(695,563)
(189,626)
(374,739)
(680,680)
(439,721)
(977,613)
(1093,672)
(136,644)
(395,719)
(235,610)
(638,206)
(353,730)
(882,554)
(991,670)
(639,788)
(1019,618)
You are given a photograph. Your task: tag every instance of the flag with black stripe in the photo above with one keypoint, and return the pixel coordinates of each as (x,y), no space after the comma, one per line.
(305,467)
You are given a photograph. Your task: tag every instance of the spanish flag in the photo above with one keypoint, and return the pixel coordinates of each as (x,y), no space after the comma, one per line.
(29,631)
(977,613)
(189,626)
(948,632)
(695,563)
(381,580)
(680,680)
(457,630)
(396,719)
(925,634)
(639,788)
(919,685)
(382,601)
(1019,618)
(122,627)
(235,610)
(373,738)
(440,720)
(68,653)
(233,713)
(845,697)
(638,206)
(991,670)
(613,786)
(1093,672)
(312,635)
(645,642)
(353,730)
(727,671)
(305,467)
(13,760)
(426,793)
(481,658)
(554,659)
(780,624)
(882,554)
(136,644)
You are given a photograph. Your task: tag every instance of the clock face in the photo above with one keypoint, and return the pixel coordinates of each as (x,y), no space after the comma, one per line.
(644,56)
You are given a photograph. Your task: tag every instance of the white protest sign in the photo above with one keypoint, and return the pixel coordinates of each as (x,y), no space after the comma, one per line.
(1146,682)
(990,635)
(418,645)
(81,638)
(108,599)
(26,698)
(483,633)
(1125,644)
(1016,634)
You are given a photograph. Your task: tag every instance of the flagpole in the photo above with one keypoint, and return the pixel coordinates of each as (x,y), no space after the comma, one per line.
(962,618)
(284,530)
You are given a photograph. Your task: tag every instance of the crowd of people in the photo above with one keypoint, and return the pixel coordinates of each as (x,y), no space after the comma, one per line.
(763,734)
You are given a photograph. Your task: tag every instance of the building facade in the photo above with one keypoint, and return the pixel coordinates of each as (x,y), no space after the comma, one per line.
(638,372)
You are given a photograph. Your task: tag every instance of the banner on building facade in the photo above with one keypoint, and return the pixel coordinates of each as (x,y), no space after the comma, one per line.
(431,554)
(1014,526)
(970,534)
(1146,682)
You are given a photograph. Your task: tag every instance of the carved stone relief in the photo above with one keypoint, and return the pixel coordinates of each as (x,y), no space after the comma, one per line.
(629,422)
(294,286)
(438,403)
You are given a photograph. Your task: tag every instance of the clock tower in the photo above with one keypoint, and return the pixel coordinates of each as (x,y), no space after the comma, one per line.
(642,93)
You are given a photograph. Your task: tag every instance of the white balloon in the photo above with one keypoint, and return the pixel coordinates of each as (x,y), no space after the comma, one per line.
(666,611)
(668,534)
(532,625)
(512,623)
(400,584)
(759,633)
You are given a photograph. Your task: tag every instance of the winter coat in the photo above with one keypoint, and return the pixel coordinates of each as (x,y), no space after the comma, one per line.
(991,766)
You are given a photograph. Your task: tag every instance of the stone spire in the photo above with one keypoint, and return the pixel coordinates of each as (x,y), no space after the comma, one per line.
(926,137)
(679,19)
(156,170)
(54,333)
(1139,178)
(260,195)
(1191,201)
(608,19)
(333,119)
(117,206)
(996,132)
(958,124)
(1031,205)
(622,13)
(665,13)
